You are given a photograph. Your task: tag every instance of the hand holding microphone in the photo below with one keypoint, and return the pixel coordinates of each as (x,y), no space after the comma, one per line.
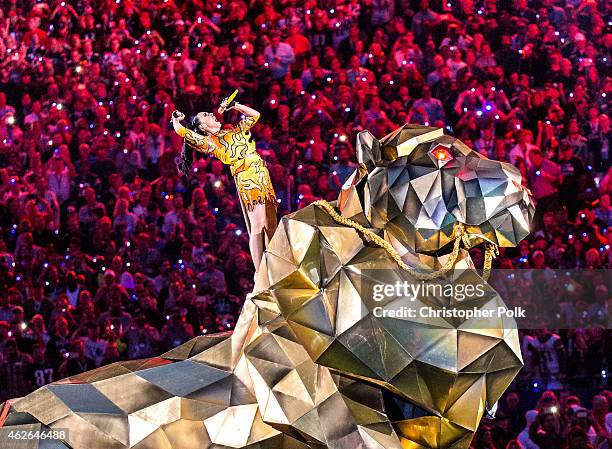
(227,102)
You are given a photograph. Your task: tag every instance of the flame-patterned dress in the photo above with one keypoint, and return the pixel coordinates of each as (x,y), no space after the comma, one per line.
(234,147)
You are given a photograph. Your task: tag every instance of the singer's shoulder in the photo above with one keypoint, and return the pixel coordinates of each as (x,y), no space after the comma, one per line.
(228,130)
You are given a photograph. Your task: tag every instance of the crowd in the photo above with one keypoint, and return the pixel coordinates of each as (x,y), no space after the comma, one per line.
(106,253)
(557,421)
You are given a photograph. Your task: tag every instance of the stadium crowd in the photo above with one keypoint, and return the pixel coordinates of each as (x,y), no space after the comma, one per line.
(106,253)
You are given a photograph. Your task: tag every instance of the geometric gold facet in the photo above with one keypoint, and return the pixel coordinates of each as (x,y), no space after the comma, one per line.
(309,364)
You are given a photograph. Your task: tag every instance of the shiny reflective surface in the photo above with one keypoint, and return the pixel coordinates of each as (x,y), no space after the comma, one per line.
(310,365)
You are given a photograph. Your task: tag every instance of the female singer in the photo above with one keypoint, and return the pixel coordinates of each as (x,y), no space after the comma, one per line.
(234,147)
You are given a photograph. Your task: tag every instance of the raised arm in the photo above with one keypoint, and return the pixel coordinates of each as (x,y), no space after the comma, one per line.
(177,116)
(250,115)
(247,111)
(201,143)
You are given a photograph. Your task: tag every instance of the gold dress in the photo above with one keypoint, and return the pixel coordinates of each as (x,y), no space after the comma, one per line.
(234,147)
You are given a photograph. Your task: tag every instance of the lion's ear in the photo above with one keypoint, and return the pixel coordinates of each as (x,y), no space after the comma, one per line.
(368,150)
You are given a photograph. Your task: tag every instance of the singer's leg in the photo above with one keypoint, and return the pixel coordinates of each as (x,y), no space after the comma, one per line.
(263,224)
(257,238)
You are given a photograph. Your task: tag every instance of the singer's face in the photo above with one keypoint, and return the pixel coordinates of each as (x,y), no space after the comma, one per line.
(209,123)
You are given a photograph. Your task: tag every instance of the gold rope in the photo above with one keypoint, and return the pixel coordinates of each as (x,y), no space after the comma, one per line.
(490,253)
(458,235)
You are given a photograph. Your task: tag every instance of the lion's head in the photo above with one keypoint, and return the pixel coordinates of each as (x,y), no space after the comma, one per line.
(416,183)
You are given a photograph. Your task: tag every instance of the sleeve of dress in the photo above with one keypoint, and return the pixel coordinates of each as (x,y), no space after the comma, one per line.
(194,139)
(247,123)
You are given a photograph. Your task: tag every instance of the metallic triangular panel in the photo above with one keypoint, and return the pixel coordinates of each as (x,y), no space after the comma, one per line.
(310,364)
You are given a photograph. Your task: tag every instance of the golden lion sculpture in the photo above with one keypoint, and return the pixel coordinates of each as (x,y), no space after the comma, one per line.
(310,363)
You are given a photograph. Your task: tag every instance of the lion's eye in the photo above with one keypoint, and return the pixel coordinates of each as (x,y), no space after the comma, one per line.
(442,153)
